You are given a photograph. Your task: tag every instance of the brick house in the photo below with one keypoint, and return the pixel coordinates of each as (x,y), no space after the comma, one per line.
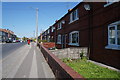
(93,25)
(6,35)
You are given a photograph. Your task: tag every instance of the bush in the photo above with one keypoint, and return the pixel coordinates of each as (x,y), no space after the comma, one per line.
(82,55)
(66,60)
(41,40)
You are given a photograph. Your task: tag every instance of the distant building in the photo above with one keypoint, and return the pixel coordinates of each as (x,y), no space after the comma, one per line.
(7,35)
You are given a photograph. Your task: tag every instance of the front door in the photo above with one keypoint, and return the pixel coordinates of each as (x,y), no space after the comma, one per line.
(63,41)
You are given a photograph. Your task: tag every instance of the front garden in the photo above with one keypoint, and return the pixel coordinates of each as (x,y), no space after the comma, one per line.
(90,70)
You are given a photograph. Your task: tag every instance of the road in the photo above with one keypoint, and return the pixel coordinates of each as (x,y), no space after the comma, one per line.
(10,47)
(24,61)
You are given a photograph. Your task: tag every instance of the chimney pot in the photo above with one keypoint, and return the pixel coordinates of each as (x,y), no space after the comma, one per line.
(69,10)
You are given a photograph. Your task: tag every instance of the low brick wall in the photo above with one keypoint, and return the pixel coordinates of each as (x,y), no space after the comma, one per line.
(60,69)
(48,44)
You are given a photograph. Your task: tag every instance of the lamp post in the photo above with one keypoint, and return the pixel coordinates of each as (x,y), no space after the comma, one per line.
(88,8)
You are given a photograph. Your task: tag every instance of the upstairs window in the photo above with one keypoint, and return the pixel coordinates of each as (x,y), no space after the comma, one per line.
(74,38)
(53,28)
(48,31)
(74,16)
(109,2)
(114,36)
(59,25)
(59,39)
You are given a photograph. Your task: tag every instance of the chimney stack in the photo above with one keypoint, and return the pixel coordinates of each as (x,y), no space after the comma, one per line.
(69,10)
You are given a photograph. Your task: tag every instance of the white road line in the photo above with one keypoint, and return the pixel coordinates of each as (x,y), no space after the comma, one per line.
(33,72)
(30,46)
(23,56)
(24,76)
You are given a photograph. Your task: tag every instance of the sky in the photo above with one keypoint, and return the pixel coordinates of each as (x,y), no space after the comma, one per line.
(20,17)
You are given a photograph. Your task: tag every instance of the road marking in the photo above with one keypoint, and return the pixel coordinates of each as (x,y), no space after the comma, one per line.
(23,56)
(24,76)
(34,53)
(30,46)
(33,72)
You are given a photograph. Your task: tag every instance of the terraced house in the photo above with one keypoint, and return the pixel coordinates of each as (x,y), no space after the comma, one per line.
(7,35)
(95,25)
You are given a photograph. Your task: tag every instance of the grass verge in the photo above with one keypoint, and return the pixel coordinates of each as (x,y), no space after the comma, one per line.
(91,70)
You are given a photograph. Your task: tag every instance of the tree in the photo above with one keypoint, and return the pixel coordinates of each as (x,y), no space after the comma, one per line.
(24,38)
(17,38)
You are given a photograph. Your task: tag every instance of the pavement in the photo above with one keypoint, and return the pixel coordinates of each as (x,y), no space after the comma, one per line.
(24,61)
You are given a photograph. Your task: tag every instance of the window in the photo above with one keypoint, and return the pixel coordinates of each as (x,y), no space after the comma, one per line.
(53,28)
(48,31)
(114,36)
(59,25)
(0,33)
(74,16)
(109,2)
(59,39)
(74,38)
(45,33)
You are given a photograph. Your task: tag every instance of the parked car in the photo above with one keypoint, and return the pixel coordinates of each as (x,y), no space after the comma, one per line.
(9,40)
(17,40)
(14,41)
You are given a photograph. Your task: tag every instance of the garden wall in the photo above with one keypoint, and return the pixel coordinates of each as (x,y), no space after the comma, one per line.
(73,52)
(60,69)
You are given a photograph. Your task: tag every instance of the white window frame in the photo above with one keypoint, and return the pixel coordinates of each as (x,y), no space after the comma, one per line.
(76,16)
(109,2)
(59,39)
(53,28)
(48,31)
(113,46)
(70,38)
(59,25)
(45,32)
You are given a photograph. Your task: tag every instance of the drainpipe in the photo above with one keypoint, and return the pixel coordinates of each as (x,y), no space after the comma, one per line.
(88,8)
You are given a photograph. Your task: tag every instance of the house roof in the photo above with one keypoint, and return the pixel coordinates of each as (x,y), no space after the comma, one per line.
(68,13)
(7,31)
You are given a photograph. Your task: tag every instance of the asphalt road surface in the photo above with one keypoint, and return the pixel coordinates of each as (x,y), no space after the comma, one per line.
(24,61)
(8,48)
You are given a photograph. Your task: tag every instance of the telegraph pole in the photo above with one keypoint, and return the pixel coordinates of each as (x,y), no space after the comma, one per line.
(33,34)
(37,25)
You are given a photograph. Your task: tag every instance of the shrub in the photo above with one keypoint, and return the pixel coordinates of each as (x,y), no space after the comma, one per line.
(41,40)
(82,54)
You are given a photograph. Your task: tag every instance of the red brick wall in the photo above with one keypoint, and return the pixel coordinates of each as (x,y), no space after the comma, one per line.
(48,44)
(60,69)
(101,19)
